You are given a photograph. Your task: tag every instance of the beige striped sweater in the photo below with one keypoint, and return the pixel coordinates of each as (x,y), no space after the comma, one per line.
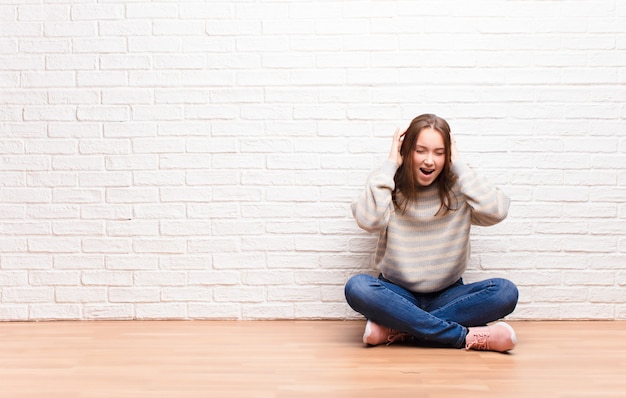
(418,250)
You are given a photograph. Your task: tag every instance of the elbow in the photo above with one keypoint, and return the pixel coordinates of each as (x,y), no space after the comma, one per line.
(369,221)
(492,217)
(369,226)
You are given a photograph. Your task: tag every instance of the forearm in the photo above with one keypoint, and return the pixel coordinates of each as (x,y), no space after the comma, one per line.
(373,207)
(489,204)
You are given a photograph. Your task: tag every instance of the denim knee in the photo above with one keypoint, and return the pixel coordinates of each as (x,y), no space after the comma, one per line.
(508,293)
(356,287)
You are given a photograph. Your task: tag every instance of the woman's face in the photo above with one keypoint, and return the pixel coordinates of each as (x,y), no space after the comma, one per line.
(429,156)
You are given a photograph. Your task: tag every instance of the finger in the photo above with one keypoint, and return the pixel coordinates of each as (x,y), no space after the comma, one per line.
(397,138)
(403,133)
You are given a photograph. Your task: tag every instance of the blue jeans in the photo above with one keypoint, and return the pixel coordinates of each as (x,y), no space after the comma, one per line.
(439,318)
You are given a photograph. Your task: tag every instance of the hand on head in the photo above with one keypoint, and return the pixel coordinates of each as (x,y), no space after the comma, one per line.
(454,152)
(394,153)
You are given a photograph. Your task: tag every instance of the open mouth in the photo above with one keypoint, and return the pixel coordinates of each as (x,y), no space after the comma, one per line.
(427,171)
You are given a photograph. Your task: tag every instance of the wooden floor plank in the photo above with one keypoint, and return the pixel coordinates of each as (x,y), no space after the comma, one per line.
(300,359)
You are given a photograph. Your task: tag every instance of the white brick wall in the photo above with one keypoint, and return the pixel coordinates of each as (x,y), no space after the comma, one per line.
(196,159)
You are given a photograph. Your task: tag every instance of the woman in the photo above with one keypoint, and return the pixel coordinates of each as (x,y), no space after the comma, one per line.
(422,202)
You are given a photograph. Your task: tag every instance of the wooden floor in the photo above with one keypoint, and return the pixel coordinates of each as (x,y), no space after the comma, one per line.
(300,359)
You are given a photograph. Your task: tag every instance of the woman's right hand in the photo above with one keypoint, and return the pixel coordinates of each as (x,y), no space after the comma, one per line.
(394,153)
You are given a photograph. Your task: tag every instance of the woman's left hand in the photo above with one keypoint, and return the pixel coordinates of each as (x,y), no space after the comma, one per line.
(454,152)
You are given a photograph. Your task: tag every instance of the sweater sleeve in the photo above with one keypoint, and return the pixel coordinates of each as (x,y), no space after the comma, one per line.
(373,207)
(488,203)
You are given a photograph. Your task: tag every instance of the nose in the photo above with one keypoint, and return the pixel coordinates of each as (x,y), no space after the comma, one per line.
(429,158)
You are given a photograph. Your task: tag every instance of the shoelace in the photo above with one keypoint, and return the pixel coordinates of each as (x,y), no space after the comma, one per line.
(480,342)
(396,336)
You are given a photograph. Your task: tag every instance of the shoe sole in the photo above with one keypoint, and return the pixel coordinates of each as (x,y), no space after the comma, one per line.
(510,329)
(368,331)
